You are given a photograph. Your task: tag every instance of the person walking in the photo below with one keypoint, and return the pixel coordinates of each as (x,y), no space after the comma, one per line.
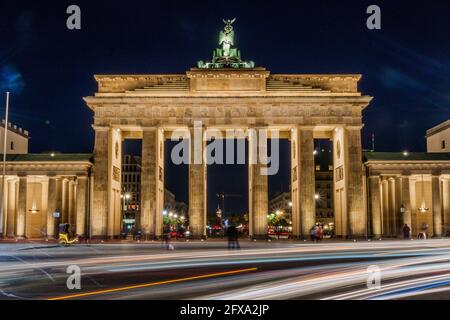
(406,232)
(318,233)
(233,237)
(166,236)
(312,233)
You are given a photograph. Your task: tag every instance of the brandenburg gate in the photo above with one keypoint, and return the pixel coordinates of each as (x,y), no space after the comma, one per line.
(228,93)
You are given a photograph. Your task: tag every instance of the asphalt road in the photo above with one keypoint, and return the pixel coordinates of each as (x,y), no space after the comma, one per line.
(208,270)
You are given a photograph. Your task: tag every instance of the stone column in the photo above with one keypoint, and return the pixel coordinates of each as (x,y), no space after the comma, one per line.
(412,189)
(71,203)
(148,183)
(152,183)
(307,184)
(100,185)
(160,187)
(375,205)
(295,183)
(385,202)
(11,209)
(258,182)
(52,205)
(392,206)
(65,201)
(355,194)
(446,204)
(197,183)
(437,206)
(398,205)
(81,205)
(114,183)
(4,221)
(406,202)
(22,207)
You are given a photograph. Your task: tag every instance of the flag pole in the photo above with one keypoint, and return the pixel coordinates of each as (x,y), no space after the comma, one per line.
(2,194)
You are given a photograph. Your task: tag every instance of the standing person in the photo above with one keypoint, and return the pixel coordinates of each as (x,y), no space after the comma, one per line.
(312,234)
(406,232)
(318,233)
(166,236)
(233,235)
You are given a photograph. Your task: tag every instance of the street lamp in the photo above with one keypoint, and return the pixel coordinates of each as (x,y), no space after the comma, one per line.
(317,197)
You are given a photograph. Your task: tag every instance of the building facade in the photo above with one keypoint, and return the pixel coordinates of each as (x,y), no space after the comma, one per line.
(17,139)
(408,188)
(43,190)
(438,138)
(232,97)
(228,95)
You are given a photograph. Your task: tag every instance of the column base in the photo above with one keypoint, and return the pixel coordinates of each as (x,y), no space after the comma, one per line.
(196,237)
(102,238)
(260,237)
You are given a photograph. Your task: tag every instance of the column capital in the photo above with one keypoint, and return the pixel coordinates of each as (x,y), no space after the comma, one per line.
(354,128)
(305,128)
(100,128)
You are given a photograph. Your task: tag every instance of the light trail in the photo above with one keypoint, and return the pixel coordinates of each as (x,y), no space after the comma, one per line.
(152,284)
(329,271)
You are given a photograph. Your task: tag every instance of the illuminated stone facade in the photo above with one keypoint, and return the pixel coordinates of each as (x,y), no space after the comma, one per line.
(301,107)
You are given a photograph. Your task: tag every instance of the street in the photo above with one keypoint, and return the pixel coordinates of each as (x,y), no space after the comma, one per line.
(208,270)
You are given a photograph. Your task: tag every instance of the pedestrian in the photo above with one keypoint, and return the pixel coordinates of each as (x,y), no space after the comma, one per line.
(166,237)
(318,233)
(312,234)
(233,237)
(406,232)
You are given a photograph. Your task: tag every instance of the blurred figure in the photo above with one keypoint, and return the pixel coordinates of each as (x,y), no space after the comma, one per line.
(312,233)
(166,237)
(406,232)
(233,237)
(318,233)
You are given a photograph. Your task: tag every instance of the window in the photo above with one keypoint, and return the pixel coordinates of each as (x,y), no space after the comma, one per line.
(443,144)
(12,145)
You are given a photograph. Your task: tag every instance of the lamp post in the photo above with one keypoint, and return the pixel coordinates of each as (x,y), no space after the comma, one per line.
(4,164)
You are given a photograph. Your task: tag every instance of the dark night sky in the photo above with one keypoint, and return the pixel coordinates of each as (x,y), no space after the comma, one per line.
(406,65)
